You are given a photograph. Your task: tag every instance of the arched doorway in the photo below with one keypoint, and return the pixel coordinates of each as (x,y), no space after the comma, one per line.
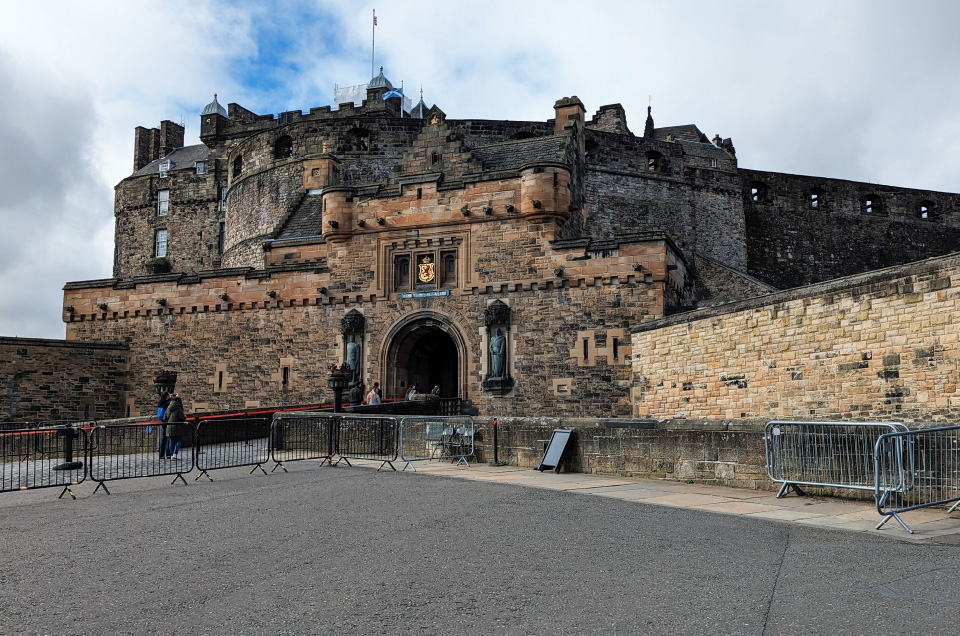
(426,352)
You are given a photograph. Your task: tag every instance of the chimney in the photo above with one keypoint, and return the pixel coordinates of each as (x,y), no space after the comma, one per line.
(146,146)
(171,137)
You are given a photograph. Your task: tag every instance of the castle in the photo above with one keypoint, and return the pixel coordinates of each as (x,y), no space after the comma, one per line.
(506,262)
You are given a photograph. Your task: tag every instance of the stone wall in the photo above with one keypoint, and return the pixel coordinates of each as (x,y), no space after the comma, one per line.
(700,208)
(878,346)
(723,452)
(192,222)
(855,227)
(45,380)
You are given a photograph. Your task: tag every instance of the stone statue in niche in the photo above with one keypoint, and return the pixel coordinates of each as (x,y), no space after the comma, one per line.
(498,355)
(353,358)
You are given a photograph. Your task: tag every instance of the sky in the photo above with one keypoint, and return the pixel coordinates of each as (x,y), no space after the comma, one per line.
(865,90)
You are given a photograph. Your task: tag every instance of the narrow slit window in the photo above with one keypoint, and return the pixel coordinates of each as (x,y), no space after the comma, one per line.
(286,376)
(586,349)
(219,380)
(616,348)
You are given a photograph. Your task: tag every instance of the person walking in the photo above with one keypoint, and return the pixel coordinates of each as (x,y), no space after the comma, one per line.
(176,419)
(161,409)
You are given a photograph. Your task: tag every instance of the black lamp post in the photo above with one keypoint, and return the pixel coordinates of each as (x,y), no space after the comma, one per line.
(337,381)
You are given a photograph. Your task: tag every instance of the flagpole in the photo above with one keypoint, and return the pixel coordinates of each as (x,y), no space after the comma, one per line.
(373,42)
(401,99)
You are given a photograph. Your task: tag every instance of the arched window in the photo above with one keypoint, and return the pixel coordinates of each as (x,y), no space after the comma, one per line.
(434,158)
(925,211)
(448,275)
(283,148)
(237,166)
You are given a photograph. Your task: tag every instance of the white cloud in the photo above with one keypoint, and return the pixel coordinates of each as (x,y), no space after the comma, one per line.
(863,90)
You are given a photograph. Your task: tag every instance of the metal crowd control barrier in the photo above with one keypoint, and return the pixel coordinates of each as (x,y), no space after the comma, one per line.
(129,451)
(917,469)
(231,443)
(298,436)
(426,437)
(367,437)
(43,458)
(837,454)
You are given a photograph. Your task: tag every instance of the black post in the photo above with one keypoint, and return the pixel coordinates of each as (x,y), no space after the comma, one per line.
(496,458)
(70,434)
(337,400)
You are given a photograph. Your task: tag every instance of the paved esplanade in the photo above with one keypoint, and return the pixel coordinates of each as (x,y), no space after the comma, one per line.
(350,550)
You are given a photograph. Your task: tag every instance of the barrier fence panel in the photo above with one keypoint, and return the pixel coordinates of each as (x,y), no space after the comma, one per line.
(368,437)
(431,437)
(917,469)
(43,458)
(297,436)
(226,443)
(837,454)
(129,451)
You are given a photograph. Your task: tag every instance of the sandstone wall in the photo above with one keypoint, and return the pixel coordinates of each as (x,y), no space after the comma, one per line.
(45,380)
(879,346)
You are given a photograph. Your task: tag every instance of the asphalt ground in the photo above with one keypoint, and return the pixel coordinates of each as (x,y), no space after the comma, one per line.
(324,550)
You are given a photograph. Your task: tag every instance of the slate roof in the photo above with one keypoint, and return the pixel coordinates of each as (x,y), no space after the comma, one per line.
(306,220)
(180,159)
(702,149)
(510,155)
(689,132)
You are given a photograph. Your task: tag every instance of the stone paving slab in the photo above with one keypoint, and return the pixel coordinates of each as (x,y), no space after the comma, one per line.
(851,515)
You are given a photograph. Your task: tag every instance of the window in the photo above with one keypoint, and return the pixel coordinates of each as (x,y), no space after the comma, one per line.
(434,158)
(223,199)
(926,210)
(283,148)
(221,236)
(654,161)
(816,198)
(403,273)
(237,167)
(758,192)
(713,163)
(448,275)
(164,168)
(160,244)
(199,167)
(163,202)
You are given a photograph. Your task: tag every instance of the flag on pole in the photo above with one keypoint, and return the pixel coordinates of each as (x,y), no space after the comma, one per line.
(374,19)
(393,93)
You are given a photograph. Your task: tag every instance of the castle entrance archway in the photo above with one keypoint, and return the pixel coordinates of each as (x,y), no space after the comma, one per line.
(426,351)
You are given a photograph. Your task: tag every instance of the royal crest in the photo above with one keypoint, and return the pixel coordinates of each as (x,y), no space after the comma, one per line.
(427,270)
